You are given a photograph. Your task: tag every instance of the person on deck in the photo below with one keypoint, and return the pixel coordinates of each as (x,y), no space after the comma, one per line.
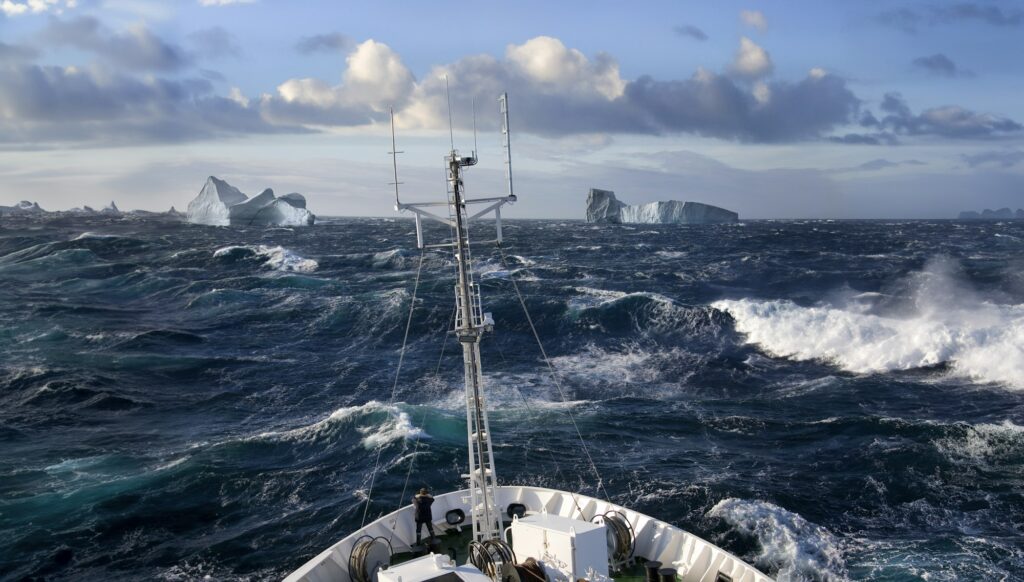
(421,506)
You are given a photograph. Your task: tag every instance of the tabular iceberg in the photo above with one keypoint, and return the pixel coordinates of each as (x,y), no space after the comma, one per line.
(603,207)
(221,204)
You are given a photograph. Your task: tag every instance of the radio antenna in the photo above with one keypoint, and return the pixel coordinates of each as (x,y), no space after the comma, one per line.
(475,147)
(394,157)
(448,96)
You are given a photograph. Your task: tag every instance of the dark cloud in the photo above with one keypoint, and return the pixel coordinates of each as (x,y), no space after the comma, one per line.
(690,31)
(215,43)
(1002,159)
(940,65)
(862,139)
(54,105)
(716,106)
(323,43)
(136,49)
(950,121)
(910,20)
(13,52)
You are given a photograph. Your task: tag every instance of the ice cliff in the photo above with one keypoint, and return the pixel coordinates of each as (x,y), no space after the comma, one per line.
(603,207)
(221,204)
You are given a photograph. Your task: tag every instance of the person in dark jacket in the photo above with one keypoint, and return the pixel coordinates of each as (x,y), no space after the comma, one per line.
(421,507)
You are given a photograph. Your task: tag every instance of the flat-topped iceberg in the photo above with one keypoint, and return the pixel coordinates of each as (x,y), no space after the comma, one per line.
(221,204)
(603,207)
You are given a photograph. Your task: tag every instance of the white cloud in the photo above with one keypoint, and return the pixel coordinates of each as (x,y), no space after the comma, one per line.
(762,92)
(15,8)
(374,79)
(548,62)
(751,60)
(754,19)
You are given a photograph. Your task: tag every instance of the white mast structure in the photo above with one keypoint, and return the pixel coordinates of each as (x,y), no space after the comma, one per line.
(470,321)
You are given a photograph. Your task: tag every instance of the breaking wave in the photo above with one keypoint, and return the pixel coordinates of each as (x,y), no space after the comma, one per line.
(277,258)
(387,424)
(977,339)
(789,544)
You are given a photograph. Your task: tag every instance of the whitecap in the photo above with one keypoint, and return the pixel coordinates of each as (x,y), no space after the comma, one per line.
(277,258)
(795,547)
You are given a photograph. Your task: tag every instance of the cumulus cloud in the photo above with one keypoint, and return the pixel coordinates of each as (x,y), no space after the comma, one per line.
(137,48)
(751,60)
(1001,159)
(940,65)
(16,7)
(327,43)
(754,19)
(50,105)
(375,78)
(557,91)
(910,20)
(690,31)
(949,121)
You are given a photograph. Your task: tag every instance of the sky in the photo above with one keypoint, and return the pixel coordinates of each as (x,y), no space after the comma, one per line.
(796,109)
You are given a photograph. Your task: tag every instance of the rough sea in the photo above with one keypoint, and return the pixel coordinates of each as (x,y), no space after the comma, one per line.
(828,400)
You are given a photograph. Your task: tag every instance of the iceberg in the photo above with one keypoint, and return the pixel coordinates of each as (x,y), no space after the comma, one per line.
(603,207)
(989,214)
(221,204)
(23,208)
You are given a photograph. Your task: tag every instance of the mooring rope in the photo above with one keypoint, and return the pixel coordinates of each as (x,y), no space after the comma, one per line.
(554,374)
(394,387)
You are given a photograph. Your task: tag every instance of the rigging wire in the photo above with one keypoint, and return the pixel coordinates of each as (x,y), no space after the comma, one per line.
(554,375)
(529,408)
(423,418)
(394,387)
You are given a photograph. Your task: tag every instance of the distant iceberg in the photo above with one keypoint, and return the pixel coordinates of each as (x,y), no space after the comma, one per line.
(23,208)
(603,207)
(987,214)
(221,204)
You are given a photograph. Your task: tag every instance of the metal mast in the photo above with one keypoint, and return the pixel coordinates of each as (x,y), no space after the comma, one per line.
(470,325)
(470,321)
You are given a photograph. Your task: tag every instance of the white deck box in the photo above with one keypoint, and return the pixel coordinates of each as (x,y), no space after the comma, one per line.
(569,549)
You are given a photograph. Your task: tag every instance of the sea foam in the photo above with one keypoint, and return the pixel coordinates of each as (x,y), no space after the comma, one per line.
(277,258)
(795,547)
(977,338)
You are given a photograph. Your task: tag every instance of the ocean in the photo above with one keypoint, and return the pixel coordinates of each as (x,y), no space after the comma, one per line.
(828,400)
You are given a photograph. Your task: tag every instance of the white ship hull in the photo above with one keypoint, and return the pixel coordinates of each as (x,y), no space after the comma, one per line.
(694,559)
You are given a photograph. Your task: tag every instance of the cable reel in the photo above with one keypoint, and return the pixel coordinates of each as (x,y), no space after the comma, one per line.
(494,558)
(621,538)
(369,555)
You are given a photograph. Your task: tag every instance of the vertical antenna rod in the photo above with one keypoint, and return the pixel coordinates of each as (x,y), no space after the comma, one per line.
(448,97)
(506,141)
(394,157)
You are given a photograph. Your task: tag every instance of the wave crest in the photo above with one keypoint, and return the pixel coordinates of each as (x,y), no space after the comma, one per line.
(795,547)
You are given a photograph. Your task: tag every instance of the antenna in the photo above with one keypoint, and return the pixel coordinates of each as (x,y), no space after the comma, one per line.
(448,96)
(506,142)
(475,148)
(394,159)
